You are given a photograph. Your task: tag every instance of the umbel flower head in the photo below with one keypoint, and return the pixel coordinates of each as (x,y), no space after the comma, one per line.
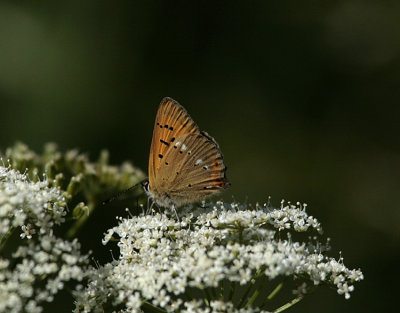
(42,262)
(37,258)
(221,258)
(217,258)
(32,206)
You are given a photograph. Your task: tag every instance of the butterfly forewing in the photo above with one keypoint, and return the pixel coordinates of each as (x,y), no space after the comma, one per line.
(172,121)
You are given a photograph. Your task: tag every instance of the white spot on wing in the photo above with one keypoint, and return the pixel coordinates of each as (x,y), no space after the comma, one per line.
(183,147)
(199,161)
(178,143)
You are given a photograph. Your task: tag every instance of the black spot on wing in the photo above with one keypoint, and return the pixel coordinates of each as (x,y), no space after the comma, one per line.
(164,142)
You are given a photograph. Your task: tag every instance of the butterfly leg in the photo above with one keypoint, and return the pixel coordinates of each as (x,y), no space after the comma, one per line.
(148,203)
(150,209)
(159,209)
(176,213)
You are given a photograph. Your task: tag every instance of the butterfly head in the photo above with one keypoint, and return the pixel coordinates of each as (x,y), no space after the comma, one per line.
(146,186)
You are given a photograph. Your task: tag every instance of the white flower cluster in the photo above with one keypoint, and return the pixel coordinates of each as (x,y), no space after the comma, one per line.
(32,206)
(287,217)
(41,265)
(52,263)
(164,263)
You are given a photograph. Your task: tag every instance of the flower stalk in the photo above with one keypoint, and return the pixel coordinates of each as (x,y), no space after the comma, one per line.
(275,292)
(289,304)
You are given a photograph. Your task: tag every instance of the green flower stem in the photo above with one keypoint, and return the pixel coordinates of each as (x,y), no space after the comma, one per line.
(73,231)
(255,294)
(275,291)
(272,294)
(244,297)
(289,304)
(148,305)
(207,297)
(253,281)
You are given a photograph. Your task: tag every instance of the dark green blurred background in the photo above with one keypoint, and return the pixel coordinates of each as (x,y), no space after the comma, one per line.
(302,96)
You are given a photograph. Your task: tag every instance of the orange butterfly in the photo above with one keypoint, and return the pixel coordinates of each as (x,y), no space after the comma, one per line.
(185,164)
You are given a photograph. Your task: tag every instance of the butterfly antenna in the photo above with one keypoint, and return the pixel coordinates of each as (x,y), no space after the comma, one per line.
(122,192)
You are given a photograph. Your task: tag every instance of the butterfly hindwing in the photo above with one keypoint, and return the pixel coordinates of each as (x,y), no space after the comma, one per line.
(193,169)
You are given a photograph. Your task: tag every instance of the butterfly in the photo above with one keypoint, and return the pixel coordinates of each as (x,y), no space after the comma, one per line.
(185,164)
